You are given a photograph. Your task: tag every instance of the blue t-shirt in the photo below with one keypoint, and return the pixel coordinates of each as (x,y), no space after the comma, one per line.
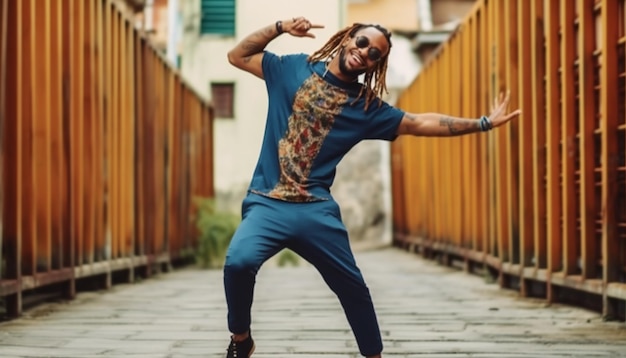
(312,123)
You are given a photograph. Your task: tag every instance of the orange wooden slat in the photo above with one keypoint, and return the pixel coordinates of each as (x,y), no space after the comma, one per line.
(12,233)
(512,80)
(38,135)
(101,226)
(472,98)
(4,12)
(568,139)
(89,127)
(140,75)
(29,248)
(484,243)
(69,238)
(588,207)
(490,84)
(170,120)
(115,159)
(525,149)
(609,154)
(58,167)
(445,224)
(75,65)
(126,124)
(149,152)
(11,147)
(538,132)
(553,135)
(174,153)
(501,139)
(467,154)
(455,202)
(159,155)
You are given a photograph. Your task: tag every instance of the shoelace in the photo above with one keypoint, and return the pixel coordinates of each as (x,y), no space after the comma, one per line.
(232,348)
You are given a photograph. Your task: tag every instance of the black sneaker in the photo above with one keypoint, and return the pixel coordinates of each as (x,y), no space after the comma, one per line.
(243,349)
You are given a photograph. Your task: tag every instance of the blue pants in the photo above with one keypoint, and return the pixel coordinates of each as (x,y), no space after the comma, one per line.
(316,233)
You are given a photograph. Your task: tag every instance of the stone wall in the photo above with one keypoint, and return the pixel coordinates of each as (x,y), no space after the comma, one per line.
(362,190)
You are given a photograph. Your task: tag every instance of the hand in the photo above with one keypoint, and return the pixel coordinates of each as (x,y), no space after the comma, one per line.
(300,26)
(498,114)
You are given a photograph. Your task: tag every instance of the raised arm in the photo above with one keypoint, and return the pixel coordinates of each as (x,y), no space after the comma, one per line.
(248,54)
(440,125)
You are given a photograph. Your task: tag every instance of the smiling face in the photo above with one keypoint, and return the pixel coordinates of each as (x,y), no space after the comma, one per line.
(362,52)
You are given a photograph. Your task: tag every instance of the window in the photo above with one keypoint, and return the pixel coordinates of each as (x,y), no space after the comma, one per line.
(223,98)
(217,17)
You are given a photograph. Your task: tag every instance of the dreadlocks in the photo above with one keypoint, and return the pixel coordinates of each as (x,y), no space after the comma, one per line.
(375,84)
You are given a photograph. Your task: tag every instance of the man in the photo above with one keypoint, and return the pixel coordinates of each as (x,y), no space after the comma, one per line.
(317,112)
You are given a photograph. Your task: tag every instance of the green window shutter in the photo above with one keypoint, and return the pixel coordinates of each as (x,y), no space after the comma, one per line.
(218,17)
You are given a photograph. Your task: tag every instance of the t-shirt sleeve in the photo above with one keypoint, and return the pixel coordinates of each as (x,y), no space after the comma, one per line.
(279,68)
(384,121)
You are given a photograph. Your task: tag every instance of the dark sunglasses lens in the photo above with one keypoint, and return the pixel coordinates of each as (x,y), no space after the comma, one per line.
(362,42)
(374,54)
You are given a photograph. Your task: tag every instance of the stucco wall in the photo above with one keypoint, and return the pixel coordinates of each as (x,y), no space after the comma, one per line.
(400,15)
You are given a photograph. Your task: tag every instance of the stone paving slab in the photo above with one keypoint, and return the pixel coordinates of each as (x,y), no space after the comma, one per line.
(425,310)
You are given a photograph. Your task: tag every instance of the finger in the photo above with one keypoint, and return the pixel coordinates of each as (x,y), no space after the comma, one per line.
(516,113)
(497,105)
(502,99)
(317,26)
(513,115)
(505,98)
(301,27)
(299,21)
(504,102)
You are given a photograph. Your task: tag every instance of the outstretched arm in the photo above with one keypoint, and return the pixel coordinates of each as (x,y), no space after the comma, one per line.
(439,125)
(248,54)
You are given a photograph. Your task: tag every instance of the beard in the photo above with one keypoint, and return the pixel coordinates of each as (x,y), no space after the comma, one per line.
(344,69)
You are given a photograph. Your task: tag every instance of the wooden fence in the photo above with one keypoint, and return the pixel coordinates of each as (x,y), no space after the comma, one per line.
(541,203)
(103,147)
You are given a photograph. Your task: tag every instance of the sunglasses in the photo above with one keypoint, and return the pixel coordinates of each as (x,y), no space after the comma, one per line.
(373,53)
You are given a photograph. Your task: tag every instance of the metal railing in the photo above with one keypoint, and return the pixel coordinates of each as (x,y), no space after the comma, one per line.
(103,146)
(541,203)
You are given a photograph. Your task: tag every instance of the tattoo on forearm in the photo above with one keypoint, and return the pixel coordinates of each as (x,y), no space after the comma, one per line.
(257,42)
(456,125)
(448,122)
(251,47)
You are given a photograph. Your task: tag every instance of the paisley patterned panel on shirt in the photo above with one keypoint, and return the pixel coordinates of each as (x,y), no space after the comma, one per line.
(313,113)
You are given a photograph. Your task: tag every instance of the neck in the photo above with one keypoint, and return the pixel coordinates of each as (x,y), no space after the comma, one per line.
(333,67)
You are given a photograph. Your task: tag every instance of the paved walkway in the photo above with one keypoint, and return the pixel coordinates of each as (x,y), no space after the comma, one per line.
(425,310)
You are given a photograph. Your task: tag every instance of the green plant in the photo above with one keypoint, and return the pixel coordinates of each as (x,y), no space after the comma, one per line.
(215,229)
(288,257)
